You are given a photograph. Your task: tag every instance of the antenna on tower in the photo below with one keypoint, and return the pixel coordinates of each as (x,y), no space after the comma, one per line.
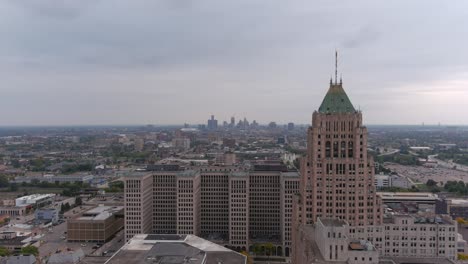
(336,66)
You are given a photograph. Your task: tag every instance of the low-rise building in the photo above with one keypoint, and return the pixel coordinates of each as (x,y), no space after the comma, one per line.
(97,225)
(37,200)
(145,248)
(46,215)
(385,181)
(66,257)
(328,241)
(415,236)
(453,207)
(20,259)
(462,246)
(382,181)
(14,244)
(400,236)
(51,178)
(13,211)
(424,201)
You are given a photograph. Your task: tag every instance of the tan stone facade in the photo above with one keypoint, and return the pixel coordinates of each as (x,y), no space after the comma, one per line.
(337,184)
(337,176)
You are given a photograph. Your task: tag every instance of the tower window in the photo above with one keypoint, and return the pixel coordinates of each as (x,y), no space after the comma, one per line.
(343,149)
(335,149)
(328,149)
(350,149)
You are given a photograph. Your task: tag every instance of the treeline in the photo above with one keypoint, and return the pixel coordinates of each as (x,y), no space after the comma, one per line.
(403,159)
(69,189)
(458,187)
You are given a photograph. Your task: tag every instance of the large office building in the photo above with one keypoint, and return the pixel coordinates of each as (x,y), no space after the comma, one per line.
(338,198)
(98,224)
(224,204)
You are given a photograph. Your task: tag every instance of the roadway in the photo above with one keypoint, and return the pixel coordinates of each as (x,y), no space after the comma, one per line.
(447,164)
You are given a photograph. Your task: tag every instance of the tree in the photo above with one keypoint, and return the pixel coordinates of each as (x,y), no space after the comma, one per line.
(30,250)
(269,248)
(78,201)
(67,192)
(35,182)
(257,249)
(13,187)
(4,181)
(431,183)
(4,252)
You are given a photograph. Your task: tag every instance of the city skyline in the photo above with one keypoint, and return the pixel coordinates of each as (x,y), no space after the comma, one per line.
(73,63)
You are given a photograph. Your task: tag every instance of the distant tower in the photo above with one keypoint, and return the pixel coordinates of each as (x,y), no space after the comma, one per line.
(212,123)
(233,122)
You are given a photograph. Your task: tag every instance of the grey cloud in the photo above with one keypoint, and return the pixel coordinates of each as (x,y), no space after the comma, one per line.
(58,9)
(364,36)
(271,59)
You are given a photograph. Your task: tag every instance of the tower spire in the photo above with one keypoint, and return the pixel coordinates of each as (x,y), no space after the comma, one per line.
(336,66)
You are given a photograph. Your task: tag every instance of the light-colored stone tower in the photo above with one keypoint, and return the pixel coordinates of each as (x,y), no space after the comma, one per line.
(337,176)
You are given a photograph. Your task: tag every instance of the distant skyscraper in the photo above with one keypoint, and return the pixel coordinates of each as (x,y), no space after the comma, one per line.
(290,126)
(212,123)
(233,122)
(246,123)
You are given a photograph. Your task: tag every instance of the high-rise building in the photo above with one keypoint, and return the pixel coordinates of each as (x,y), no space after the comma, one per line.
(290,126)
(337,175)
(224,204)
(212,123)
(233,122)
(337,215)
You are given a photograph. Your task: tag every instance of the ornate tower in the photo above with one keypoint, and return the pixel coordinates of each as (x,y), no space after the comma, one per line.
(337,176)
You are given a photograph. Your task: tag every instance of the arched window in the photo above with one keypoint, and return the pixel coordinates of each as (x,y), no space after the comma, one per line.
(343,149)
(350,149)
(328,149)
(335,149)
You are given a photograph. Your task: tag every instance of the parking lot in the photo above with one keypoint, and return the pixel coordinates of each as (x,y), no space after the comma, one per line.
(422,174)
(55,240)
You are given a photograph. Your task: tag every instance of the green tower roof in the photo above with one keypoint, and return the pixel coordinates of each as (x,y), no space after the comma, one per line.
(336,100)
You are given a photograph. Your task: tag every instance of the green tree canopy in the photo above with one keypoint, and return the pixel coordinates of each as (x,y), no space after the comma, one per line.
(4,252)
(431,183)
(30,250)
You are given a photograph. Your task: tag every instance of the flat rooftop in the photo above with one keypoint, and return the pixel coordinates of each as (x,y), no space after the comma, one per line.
(100,213)
(333,222)
(361,245)
(409,260)
(407,196)
(36,196)
(174,249)
(459,202)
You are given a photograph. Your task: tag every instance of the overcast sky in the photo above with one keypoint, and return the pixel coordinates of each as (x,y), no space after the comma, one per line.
(68,62)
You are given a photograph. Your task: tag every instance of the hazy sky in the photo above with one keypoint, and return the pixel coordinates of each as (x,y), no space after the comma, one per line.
(65,62)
